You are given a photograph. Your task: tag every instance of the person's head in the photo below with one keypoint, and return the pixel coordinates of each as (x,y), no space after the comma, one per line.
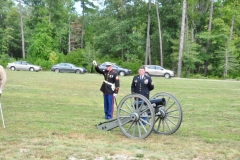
(108,66)
(141,70)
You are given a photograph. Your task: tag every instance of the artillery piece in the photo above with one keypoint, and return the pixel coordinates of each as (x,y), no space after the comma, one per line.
(137,116)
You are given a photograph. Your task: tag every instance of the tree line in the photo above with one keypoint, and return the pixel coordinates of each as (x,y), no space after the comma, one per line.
(195,38)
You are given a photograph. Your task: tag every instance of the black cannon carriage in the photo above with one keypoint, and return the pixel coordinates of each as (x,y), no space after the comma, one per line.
(137,116)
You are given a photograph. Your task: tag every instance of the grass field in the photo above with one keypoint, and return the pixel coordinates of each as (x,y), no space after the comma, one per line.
(54,116)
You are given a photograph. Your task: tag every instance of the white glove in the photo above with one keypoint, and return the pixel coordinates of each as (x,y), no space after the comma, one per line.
(94,63)
(0,91)
(114,95)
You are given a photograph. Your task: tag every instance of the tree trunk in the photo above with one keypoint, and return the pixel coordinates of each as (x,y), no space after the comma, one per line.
(192,25)
(148,31)
(83,7)
(160,34)
(227,50)
(149,53)
(22,30)
(69,36)
(208,41)
(181,38)
(186,42)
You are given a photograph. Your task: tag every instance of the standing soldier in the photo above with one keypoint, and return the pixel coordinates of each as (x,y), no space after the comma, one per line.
(142,84)
(3,78)
(110,87)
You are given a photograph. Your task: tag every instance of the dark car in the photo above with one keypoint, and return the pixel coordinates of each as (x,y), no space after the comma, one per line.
(23,66)
(68,67)
(154,70)
(121,71)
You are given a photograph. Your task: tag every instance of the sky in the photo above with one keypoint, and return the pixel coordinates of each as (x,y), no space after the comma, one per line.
(96,2)
(78,4)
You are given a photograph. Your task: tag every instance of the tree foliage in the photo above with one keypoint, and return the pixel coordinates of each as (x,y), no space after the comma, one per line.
(117,29)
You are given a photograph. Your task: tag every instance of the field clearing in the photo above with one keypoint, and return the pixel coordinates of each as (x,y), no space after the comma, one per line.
(54,116)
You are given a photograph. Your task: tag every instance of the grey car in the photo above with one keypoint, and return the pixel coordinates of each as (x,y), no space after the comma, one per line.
(154,70)
(24,66)
(68,67)
(121,71)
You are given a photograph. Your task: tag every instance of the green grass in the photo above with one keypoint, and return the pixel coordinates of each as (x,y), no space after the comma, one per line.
(54,116)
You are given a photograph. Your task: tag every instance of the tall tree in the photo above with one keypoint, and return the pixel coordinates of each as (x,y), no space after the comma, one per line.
(208,41)
(22,30)
(10,38)
(231,13)
(87,6)
(184,8)
(83,29)
(147,54)
(160,34)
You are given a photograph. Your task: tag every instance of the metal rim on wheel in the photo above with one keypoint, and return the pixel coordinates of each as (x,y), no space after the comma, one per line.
(57,70)
(135,116)
(13,68)
(168,117)
(78,71)
(31,69)
(122,73)
(167,75)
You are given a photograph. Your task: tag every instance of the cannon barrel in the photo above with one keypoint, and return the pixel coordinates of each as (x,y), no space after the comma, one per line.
(158,102)
(155,102)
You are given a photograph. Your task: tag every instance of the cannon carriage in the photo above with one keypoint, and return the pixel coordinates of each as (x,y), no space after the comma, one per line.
(137,116)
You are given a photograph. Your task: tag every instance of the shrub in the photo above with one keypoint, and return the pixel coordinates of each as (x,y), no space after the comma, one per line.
(46,65)
(5,59)
(74,57)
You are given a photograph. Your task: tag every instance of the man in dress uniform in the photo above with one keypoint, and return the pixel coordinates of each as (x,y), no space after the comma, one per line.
(110,88)
(141,83)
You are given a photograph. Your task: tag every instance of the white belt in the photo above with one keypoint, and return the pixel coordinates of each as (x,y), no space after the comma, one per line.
(112,85)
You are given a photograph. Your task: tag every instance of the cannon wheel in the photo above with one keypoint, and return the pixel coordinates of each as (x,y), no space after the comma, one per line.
(170,118)
(134,121)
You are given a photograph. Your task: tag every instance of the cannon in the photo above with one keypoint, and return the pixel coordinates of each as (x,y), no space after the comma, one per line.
(137,116)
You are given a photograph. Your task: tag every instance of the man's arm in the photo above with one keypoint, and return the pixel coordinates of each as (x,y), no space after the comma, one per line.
(133,86)
(117,84)
(150,84)
(99,70)
(96,67)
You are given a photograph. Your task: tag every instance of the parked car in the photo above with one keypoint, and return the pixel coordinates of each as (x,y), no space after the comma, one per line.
(68,67)
(23,65)
(154,70)
(121,71)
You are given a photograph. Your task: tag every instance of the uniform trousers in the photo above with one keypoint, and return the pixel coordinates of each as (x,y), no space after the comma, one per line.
(108,105)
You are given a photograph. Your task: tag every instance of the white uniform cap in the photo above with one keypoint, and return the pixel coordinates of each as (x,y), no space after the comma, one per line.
(108,63)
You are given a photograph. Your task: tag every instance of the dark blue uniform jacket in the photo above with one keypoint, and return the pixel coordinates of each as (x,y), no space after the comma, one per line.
(142,86)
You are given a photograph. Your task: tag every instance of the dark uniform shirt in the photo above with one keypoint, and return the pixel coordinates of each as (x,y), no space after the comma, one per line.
(111,77)
(142,86)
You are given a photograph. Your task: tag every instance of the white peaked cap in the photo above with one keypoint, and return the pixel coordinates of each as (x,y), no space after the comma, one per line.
(108,63)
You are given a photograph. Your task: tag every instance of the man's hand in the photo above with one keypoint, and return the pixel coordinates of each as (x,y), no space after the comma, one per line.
(94,63)
(114,95)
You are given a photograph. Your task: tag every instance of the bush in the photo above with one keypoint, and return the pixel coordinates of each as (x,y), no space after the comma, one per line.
(46,65)
(75,57)
(237,78)
(5,59)
(133,66)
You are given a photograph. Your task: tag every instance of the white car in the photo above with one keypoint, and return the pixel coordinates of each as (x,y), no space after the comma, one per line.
(154,70)
(24,66)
